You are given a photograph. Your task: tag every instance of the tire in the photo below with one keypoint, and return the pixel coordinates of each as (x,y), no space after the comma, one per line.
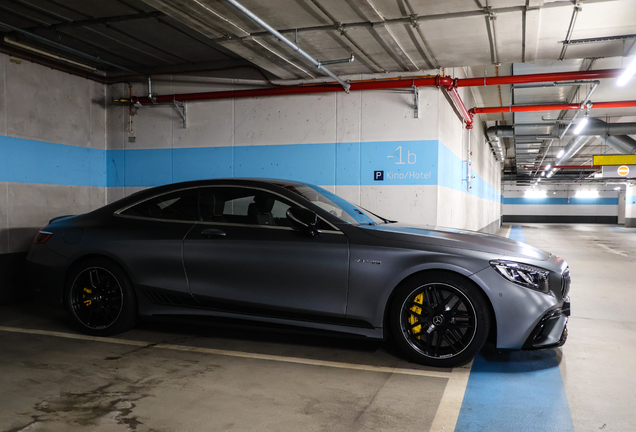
(439,319)
(101,298)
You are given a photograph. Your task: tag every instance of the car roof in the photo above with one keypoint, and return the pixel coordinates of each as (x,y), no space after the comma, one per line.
(158,190)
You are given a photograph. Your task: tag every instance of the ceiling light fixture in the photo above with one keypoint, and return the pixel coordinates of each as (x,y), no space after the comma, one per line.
(560,153)
(10,41)
(581,124)
(629,72)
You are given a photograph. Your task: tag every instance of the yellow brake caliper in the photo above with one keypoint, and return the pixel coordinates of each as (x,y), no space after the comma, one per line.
(87,302)
(418,310)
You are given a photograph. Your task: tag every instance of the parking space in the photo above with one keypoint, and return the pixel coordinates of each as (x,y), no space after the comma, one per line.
(171,377)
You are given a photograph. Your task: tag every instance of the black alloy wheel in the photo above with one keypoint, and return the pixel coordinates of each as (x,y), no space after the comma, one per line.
(100,298)
(440,319)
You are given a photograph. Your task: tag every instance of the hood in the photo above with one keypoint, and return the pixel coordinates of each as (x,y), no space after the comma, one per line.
(455,238)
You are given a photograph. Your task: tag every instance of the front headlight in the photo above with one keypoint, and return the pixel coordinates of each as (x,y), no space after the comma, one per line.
(523,274)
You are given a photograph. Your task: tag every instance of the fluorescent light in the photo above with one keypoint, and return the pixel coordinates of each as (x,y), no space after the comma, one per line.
(629,72)
(44,53)
(547,168)
(535,194)
(560,153)
(543,174)
(586,194)
(617,188)
(580,125)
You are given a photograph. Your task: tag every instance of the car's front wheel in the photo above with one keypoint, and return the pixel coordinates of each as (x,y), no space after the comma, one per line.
(100,298)
(440,319)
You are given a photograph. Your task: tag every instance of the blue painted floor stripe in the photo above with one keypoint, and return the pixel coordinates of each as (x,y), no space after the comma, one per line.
(515,390)
(516,233)
(624,230)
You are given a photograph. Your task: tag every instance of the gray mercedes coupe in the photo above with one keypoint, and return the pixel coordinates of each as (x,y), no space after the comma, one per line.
(284,253)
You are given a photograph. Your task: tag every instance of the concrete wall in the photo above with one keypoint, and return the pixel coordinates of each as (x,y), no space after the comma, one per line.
(336,140)
(65,150)
(463,202)
(561,203)
(52,156)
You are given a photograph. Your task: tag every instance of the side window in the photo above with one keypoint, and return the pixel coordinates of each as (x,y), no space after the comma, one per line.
(243,206)
(180,205)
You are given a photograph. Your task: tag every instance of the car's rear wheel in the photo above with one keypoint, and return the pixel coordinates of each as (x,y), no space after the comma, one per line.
(100,298)
(440,319)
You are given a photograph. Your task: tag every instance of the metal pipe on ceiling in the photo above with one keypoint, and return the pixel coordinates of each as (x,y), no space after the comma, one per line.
(287,42)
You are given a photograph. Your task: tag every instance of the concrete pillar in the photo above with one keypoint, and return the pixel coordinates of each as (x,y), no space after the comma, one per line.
(630,206)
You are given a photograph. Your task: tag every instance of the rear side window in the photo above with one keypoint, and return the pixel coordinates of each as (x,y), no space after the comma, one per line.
(181,205)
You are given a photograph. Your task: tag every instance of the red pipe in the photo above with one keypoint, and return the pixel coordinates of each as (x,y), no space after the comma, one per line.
(457,102)
(388,84)
(565,167)
(537,78)
(447,82)
(551,107)
(291,90)
(522,108)
(616,104)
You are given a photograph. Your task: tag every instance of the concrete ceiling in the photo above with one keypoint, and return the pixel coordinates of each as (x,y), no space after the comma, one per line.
(492,37)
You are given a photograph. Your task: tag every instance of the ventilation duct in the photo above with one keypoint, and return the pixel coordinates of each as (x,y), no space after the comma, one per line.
(594,127)
(614,134)
(622,143)
(495,144)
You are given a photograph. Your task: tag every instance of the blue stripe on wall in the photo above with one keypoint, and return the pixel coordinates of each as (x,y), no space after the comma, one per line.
(29,161)
(454,172)
(561,201)
(426,162)
(515,391)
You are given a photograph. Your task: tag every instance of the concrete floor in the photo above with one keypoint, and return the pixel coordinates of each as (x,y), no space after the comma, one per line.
(161,377)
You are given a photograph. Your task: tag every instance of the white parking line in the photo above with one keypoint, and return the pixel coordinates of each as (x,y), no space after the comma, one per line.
(297,360)
(451,403)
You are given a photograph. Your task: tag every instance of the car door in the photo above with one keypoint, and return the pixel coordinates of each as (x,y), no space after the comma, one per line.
(245,257)
(148,239)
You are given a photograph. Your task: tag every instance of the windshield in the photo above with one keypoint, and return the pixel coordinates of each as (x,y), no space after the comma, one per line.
(337,206)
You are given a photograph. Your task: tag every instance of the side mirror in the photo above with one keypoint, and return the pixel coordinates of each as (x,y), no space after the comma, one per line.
(304,219)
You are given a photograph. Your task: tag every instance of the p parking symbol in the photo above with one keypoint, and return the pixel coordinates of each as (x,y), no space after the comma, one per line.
(378,175)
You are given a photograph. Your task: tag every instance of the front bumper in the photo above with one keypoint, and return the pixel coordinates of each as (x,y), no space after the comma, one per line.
(551,331)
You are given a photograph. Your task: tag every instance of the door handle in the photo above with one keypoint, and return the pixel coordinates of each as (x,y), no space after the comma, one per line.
(213,232)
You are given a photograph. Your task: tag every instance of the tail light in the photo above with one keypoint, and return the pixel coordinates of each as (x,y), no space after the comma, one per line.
(42,237)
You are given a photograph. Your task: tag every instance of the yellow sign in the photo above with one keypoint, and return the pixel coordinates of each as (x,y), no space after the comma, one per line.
(615,159)
(623,170)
